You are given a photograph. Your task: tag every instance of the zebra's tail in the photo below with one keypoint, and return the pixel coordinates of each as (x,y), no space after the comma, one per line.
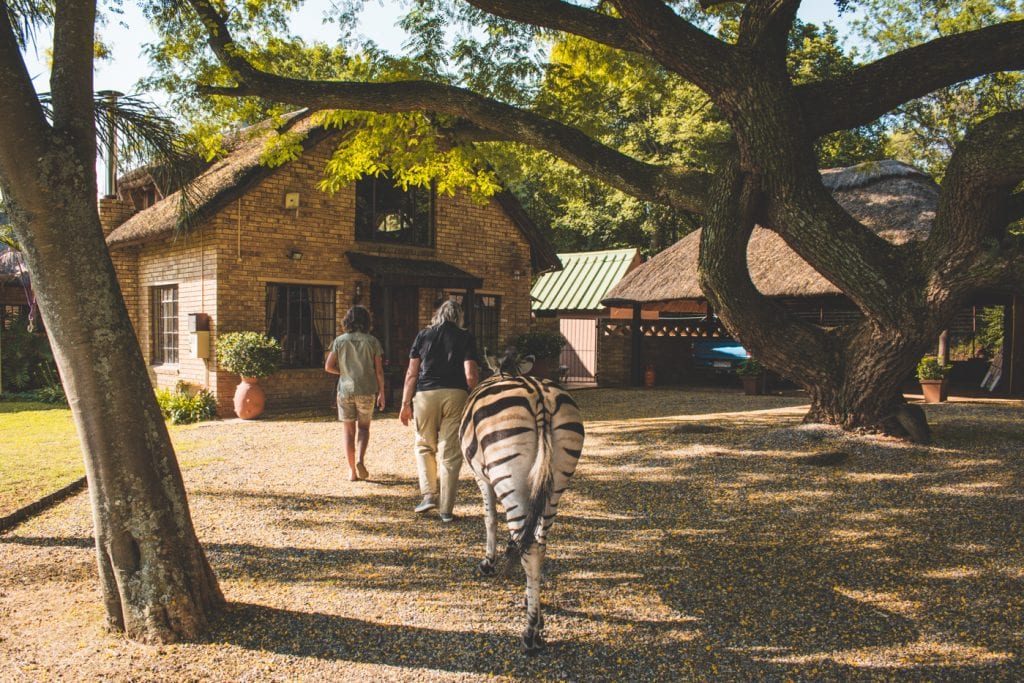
(541,479)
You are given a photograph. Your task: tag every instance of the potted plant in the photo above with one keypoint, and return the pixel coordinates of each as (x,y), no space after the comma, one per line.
(931,373)
(753,375)
(545,346)
(251,355)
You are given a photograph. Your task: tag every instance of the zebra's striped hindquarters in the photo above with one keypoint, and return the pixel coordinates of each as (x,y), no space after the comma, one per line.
(522,437)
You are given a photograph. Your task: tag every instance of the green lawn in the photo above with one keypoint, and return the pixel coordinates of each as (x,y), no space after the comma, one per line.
(39,452)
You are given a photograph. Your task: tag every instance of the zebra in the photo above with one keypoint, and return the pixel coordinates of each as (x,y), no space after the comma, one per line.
(522,438)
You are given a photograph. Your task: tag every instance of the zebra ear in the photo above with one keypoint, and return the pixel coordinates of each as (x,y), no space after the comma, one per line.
(491,361)
(525,364)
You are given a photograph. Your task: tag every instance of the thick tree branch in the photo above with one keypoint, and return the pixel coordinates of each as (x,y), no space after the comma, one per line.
(765,27)
(978,201)
(71,79)
(866,93)
(678,45)
(734,207)
(563,16)
(978,191)
(680,188)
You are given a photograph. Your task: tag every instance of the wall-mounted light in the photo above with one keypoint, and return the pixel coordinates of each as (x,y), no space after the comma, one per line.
(359,289)
(516,274)
(291,200)
(295,255)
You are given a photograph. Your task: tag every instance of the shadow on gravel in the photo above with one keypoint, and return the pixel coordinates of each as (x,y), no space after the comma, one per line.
(326,636)
(312,634)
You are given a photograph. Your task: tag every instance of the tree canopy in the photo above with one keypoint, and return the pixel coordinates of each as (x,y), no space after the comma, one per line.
(782,110)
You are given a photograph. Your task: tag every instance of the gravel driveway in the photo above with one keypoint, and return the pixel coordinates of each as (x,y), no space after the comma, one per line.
(707,535)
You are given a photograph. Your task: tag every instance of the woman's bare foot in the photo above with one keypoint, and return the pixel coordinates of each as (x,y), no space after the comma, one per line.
(361,470)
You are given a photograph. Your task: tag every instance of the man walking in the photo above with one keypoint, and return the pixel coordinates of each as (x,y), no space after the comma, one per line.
(442,371)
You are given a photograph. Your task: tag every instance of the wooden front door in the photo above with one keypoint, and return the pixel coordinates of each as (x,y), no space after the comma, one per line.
(395,322)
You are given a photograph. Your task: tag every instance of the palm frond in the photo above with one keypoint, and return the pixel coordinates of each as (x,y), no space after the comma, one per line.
(27,17)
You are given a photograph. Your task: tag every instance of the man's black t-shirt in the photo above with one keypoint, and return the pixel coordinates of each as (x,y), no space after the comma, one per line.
(443,351)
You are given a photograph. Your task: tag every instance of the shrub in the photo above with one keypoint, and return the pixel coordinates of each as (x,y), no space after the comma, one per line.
(53,394)
(751,367)
(26,357)
(539,343)
(182,408)
(248,354)
(929,368)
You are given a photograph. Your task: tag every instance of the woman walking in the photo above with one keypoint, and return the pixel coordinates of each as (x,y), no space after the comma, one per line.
(356,356)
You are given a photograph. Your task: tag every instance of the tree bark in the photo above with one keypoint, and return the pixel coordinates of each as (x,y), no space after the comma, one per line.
(156,582)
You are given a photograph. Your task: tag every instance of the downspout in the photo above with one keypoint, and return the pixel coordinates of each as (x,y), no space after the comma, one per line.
(111,96)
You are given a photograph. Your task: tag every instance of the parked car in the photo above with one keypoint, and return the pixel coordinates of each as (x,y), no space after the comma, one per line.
(720,356)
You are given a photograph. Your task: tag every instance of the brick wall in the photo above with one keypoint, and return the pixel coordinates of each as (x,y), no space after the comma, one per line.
(222,270)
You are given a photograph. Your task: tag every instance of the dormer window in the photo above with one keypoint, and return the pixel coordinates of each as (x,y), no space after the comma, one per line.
(387,213)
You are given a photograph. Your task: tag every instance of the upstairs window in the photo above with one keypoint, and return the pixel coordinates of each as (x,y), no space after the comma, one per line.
(302,319)
(389,214)
(165,325)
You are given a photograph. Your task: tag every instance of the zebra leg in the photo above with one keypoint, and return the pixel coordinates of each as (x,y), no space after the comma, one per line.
(486,566)
(533,636)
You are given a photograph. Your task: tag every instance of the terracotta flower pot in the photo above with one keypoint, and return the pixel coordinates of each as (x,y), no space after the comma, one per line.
(249,398)
(753,385)
(934,390)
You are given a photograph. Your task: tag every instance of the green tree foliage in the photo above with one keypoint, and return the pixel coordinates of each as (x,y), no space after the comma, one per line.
(925,131)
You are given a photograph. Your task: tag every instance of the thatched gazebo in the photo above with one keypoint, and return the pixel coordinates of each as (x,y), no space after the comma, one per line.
(895,200)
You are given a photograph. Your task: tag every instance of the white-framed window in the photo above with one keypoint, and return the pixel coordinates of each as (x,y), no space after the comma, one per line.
(165,324)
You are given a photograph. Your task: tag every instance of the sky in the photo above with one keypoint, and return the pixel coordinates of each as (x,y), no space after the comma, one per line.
(127,36)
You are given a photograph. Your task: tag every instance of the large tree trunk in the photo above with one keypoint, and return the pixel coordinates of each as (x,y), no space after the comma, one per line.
(156,582)
(852,375)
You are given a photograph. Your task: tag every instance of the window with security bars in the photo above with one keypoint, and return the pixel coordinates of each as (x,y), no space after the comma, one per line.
(165,325)
(483,320)
(302,318)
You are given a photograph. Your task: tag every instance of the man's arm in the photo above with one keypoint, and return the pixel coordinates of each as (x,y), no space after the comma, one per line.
(472,373)
(378,368)
(408,389)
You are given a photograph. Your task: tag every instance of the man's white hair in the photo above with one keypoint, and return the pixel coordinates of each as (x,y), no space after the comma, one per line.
(448,312)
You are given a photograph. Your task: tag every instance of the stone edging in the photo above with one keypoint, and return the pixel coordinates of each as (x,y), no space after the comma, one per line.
(18,516)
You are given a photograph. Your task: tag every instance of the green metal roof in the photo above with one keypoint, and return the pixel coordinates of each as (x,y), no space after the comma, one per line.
(585,278)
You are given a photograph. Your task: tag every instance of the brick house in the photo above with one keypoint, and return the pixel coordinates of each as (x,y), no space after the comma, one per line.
(269,251)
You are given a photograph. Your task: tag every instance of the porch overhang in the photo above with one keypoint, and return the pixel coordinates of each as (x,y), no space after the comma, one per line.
(390,271)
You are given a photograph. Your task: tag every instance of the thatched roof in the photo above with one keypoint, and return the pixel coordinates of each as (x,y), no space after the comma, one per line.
(895,200)
(231,176)
(222,182)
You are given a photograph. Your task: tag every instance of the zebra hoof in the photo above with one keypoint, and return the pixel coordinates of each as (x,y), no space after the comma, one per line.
(485,568)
